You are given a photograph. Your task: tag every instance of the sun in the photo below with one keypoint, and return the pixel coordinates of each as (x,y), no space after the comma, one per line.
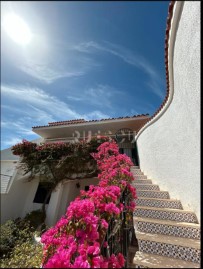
(17,29)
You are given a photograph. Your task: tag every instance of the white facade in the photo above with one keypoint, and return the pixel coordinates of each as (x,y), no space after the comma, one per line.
(18,195)
(169,148)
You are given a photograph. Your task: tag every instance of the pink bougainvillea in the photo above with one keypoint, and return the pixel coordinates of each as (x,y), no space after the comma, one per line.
(76,239)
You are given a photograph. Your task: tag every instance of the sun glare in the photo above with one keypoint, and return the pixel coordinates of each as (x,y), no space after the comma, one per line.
(17,29)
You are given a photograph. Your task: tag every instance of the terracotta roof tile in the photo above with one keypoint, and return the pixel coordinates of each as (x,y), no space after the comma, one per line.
(78,121)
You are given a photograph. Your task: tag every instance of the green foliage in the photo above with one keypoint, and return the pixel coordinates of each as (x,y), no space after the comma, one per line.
(17,246)
(54,162)
(25,255)
(58,161)
(8,236)
(35,218)
(12,233)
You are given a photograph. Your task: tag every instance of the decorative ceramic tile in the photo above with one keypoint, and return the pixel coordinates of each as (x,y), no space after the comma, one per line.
(167,215)
(139,176)
(174,251)
(153,194)
(137,172)
(159,203)
(147,187)
(141,181)
(180,231)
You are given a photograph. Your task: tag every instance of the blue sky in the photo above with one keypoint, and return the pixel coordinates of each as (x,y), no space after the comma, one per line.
(89,60)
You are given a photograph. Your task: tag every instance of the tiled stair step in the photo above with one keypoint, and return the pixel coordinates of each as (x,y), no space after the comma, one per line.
(165,213)
(145,260)
(162,203)
(139,176)
(174,228)
(175,247)
(141,181)
(146,187)
(135,167)
(153,194)
(137,172)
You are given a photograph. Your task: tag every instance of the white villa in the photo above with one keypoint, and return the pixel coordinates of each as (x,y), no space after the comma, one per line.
(28,196)
(165,151)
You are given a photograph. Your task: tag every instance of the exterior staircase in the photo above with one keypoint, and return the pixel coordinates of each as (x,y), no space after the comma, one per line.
(168,236)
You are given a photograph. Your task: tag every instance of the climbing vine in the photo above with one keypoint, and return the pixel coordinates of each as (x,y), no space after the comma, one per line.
(76,239)
(58,161)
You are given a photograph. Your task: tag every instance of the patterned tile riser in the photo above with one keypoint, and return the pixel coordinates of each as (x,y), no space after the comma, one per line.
(166,215)
(159,194)
(174,251)
(140,176)
(137,172)
(147,187)
(161,204)
(141,181)
(187,232)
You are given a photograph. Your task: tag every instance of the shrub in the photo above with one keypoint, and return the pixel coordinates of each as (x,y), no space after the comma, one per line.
(8,237)
(35,218)
(18,249)
(25,255)
(14,232)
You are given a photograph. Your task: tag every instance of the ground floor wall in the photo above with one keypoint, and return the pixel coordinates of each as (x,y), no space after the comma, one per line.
(63,195)
(19,200)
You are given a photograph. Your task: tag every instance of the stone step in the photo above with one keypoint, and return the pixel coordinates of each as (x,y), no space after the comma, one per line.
(174,228)
(175,247)
(146,186)
(162,203)
(145,260)
(142,181)
(153,194)
(165,213)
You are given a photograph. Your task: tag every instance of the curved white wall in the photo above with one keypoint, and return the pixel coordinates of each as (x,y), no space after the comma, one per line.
(169,149)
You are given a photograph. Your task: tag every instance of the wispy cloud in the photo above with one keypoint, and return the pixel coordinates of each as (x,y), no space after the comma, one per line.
(19,127)
(37,108)
(42,105)
(154,82)
(47,74)
(52,66)
(96,115)
(40,100)
(11,141)
(101,95)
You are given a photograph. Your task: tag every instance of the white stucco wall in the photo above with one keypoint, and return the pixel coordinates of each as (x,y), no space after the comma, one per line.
(17,200)
(9,163)
(62,196)
(12,203)
(70,192)
(6,154)
(169,149)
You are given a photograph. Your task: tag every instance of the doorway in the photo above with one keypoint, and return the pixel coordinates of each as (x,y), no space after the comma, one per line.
(131,152)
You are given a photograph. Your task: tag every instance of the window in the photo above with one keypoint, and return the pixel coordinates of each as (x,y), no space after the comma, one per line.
(40,195)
